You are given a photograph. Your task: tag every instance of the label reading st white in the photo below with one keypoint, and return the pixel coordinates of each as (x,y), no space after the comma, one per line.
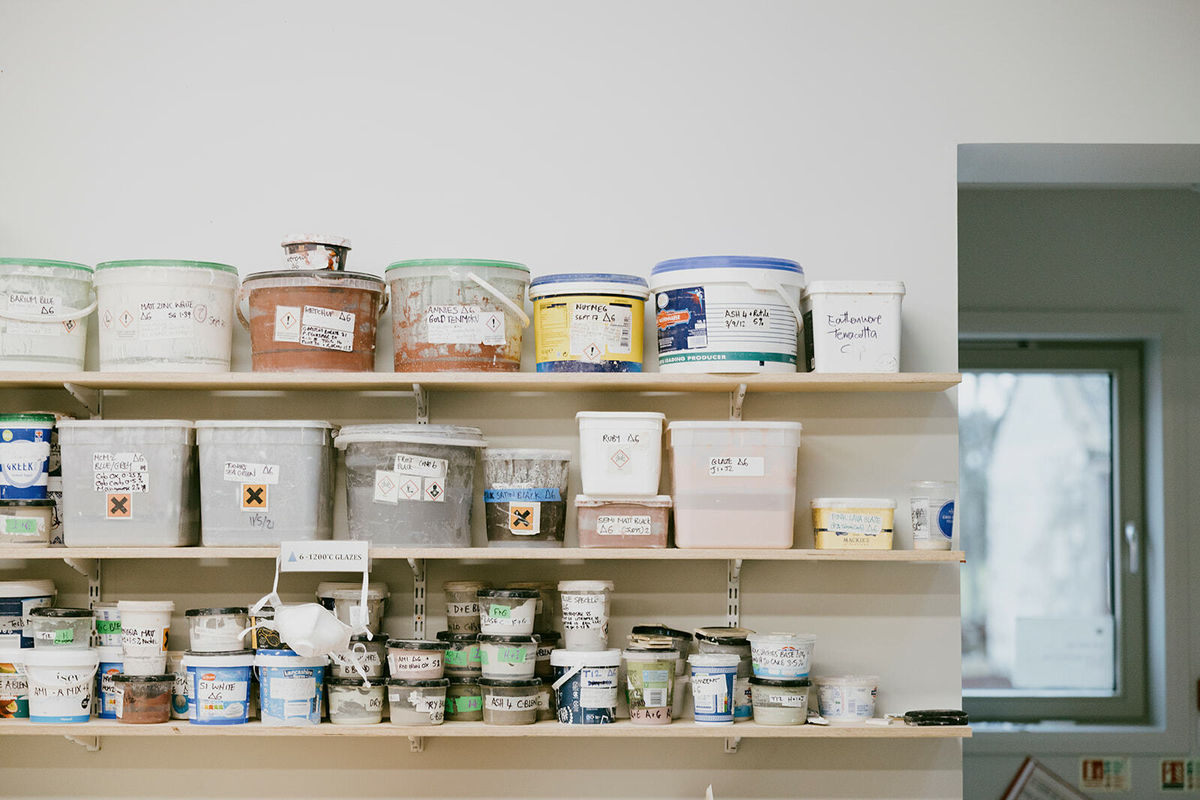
(120,472)
(245,472)
(624,525)
(327,328)
(737,467)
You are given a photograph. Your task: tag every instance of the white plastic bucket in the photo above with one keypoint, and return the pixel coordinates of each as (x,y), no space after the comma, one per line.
(585,612)
(129,483)
(218,687)
(145,630)
(345,601)
(847,699)
(165,316)
(735,483)
(290,687)
(265,481)
(620,452)
(60,684)
(585,685)
(44,306)
(458,314)
(852,326)
(781,655)
(727,313)
(17,599)
(588,322)
(108,624)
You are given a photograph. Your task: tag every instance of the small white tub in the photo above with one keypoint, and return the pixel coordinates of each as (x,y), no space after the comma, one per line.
(620,452)
(129,483)
(735,483)
(847,699)
(265,482)
(852,326)
(165,316)
(44,306)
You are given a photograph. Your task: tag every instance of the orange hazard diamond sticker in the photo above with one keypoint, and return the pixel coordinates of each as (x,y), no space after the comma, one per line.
(119,505)
(254,497)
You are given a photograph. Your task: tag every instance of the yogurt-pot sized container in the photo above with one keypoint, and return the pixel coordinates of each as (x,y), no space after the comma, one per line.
(781,655)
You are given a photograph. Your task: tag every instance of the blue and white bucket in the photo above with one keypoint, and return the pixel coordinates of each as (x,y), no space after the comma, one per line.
(713,679)
(60,684)
(106,694)
(585,685)
(290,687)
(218,686)
(24,455)
(727,314)
(17,599)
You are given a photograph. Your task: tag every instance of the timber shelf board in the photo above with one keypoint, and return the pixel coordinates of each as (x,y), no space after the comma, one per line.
(500,554)
(681,729)
(488,382)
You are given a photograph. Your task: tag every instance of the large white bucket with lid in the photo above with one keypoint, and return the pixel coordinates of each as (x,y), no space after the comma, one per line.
(165,316)
(44,306)
(727,313)
(852,326)
(61,684)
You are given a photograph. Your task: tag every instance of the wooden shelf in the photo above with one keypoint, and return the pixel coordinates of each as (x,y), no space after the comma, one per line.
(500,554)
(485,381)
(618,730)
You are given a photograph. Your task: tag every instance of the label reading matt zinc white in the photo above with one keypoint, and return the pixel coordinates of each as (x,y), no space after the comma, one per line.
(848,522)
(464,324)
(327,328)
(737,466)
(244,472)
(624,525)
(171,319)
(120,472)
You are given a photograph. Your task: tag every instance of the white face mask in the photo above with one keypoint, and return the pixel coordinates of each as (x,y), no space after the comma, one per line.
(310,629)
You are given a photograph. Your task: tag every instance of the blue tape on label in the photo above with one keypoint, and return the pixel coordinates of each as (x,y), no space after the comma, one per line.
(522,496)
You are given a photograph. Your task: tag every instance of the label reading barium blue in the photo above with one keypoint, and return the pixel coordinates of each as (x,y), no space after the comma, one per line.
(522,496)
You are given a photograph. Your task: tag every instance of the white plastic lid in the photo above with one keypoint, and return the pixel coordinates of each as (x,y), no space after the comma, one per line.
(714,659)
(525,453)
(271,660)
(110,654)
(733,425)
(126,423)
(853,502)
(245,659)
(264,423)
(585,658)
(620,415)
(27,589)
(864,681)
(585,586)
(598,501)
(315,238)
(650,655)
(145,605)
(855,287)
(453,435)
(351,591)
(781,638)
(936,486)
(60,657)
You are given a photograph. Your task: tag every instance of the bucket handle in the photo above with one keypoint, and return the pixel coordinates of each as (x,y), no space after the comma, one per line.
(790,303)
(74,315)
(509,304)
(566,676)
(87,680)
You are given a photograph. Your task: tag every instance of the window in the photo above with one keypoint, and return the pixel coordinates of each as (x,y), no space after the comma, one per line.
(1050,515)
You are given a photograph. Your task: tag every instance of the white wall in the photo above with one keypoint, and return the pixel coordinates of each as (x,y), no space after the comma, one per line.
(575,136)
(1121,264)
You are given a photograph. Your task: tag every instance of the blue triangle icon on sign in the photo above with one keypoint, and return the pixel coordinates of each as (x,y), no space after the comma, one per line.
(292,556)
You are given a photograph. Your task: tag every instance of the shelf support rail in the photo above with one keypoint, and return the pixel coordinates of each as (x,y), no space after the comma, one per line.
(91,399)
(416,744)
(89,743)
(731,743)
(422,398)
(418,616)
(736,398)
(734,593)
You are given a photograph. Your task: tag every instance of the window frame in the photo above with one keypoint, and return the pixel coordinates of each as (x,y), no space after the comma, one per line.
(1129,703)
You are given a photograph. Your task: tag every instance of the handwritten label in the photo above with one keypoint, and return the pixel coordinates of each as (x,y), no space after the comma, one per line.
(21,526)
(624,525)
(746,318)
(847,522)
(737,467)
(120,472)
(244,472)
(464,324)
(583,612)
(141,637)
(788,700)
(171,319)
(327,328)
(420,466)
(496,702)
(462,609)
(409,661)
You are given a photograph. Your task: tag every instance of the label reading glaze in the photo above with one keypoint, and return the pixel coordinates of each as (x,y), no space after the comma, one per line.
(737,467)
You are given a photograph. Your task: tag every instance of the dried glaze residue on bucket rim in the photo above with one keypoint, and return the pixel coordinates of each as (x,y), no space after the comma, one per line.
(525,454)
(468,263)
(727,262)
(316,238)
(153,262)
(371,283)
(43,262)
(453,435)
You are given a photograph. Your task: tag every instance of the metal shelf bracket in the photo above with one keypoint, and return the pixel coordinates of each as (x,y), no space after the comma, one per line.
(418,616)
(91,399)
(416,744)
(734,592)
(422,398)
(736,399)
(89,743)
(731,743)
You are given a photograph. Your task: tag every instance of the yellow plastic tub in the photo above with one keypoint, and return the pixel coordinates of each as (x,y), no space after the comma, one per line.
(853,523)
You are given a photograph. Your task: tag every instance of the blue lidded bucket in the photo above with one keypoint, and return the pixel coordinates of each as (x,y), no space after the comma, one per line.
(24,455)
(713,680)
(585,685)
(589,321)
(218,686)
(290,687)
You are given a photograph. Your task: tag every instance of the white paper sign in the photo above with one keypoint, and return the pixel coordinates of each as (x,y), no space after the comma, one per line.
(324,556)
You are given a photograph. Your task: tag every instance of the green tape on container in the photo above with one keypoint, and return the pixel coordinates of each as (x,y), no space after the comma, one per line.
(107,627)
(64,636)
(21,526)
(511,655)
(470,703)
(499,611)
(456,658)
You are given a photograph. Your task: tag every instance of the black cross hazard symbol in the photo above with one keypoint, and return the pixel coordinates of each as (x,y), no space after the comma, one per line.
(120,506)
(521,518)
(254,496)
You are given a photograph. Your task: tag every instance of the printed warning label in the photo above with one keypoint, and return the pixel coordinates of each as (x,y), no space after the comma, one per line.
(254,497)
(524,519)
(287,323)
(1107,774)
(118,505)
